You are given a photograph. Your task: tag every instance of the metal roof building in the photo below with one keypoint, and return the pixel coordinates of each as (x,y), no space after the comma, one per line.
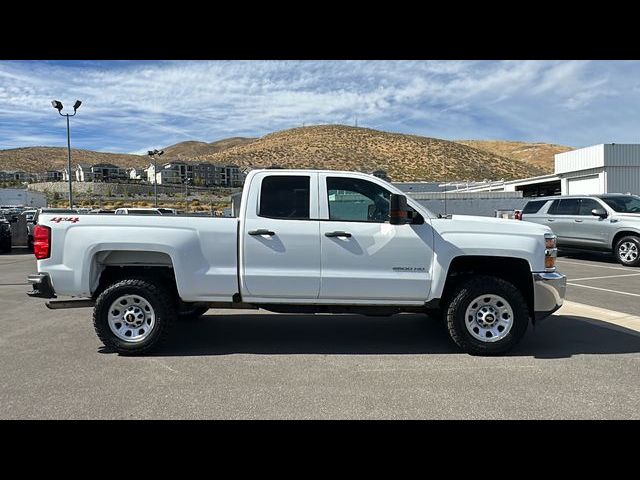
(603,168)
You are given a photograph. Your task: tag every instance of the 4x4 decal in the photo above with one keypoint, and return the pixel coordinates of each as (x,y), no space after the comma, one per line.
(65,219)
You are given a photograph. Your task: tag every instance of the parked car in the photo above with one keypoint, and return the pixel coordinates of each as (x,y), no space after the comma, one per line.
(30,216)
(5,235)
(607,222)
(138,211)
(305,241)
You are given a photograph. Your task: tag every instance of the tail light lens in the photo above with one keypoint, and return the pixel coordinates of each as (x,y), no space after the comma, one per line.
(41,241)
(550,252)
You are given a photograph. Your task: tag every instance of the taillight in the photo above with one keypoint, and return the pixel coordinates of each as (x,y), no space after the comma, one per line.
(41,241)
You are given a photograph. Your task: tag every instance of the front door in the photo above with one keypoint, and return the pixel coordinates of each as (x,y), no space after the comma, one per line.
(590,230)
(280,237)
(364,258)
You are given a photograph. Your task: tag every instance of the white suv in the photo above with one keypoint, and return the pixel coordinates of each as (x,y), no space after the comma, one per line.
(607,222)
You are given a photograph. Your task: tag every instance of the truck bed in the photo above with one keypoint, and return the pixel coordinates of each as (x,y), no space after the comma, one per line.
(206,247)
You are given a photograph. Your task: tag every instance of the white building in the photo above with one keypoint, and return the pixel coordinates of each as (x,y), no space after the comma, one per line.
(603,168)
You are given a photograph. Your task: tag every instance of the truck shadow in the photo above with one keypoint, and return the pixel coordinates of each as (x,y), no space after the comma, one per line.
(268,334)
(603,257)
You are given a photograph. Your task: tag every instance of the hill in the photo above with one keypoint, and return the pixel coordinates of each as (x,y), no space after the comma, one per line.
(404,157)
(191,149)
(40,159)
(537,154)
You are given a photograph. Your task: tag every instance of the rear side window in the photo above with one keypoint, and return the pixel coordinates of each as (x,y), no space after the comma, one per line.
(567,206)
(285,197)
(533,206)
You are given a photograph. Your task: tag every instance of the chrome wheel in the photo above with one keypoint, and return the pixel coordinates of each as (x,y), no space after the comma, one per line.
(628,252)
(131,318)
(489,318)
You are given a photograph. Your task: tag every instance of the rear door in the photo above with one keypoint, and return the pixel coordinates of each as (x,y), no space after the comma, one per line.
(280,242)
(364,257)
(561,218)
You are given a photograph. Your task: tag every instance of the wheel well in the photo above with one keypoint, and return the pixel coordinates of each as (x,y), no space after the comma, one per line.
(159,275)
(624,233)
(514,270)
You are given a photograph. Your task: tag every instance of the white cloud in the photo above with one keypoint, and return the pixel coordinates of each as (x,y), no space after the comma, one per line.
(161,103)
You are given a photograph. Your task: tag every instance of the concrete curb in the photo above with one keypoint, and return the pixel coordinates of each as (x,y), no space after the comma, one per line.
(600,316)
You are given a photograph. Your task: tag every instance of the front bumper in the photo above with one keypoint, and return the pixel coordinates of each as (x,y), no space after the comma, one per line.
(548,293)
(41,284)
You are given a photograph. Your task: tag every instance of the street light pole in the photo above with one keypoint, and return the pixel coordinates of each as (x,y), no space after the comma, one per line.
(152,154)
(58,106)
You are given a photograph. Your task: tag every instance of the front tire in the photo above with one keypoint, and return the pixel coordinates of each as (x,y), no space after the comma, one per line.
(487,316)
(133,316)
(627,251)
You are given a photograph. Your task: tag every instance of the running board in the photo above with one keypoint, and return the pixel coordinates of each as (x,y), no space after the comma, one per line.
(59,304)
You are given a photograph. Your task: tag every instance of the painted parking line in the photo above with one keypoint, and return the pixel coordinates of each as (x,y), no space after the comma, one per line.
(606,276)
(596,266)
(603,289)
(601,316)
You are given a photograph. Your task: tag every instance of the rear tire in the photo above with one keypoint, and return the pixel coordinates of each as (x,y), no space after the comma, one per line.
(486,316)
(6,246)
(133,316)
(627,251)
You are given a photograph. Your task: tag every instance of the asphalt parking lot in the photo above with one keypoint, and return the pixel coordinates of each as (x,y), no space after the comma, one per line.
(597,279)
(249,364)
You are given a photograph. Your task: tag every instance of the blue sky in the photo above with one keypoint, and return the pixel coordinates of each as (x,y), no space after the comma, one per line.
(133,106)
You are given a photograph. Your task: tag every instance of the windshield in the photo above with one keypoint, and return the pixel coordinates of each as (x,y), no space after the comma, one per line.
(623,203)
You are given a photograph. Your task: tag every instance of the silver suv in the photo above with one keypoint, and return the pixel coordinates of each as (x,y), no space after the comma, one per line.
(602,222)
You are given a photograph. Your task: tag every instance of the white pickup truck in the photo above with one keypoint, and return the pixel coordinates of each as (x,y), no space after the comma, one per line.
(304,241)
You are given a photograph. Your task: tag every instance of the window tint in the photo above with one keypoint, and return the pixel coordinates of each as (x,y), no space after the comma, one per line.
(588,204)
(144,212)
(357,200)
(285,197)
(568,206)
(534,206)
(624,204)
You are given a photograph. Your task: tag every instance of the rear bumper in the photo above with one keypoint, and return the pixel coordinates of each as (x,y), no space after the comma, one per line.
(548,292)
(41,284)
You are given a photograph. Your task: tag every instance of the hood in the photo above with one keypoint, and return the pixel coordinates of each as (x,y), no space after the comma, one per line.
(471,223)
(626,216)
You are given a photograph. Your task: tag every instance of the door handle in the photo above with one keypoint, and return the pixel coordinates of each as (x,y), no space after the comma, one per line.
(577,220)
(550,219)
(261,231)
(337,234)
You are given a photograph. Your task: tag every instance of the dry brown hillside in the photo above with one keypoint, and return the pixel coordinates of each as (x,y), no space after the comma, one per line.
(538,154)
(190,149)
(39,159)
(404,157)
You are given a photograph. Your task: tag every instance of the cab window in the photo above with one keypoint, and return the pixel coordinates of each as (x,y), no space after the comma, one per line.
(285,197)
(357,200)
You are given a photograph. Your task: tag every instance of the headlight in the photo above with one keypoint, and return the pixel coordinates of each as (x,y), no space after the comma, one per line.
(550,252)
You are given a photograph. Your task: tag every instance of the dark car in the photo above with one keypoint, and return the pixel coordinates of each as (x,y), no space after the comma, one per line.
(5,235)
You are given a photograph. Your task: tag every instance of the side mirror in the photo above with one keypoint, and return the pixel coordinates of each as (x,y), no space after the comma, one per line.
(599,212)
(398,209)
